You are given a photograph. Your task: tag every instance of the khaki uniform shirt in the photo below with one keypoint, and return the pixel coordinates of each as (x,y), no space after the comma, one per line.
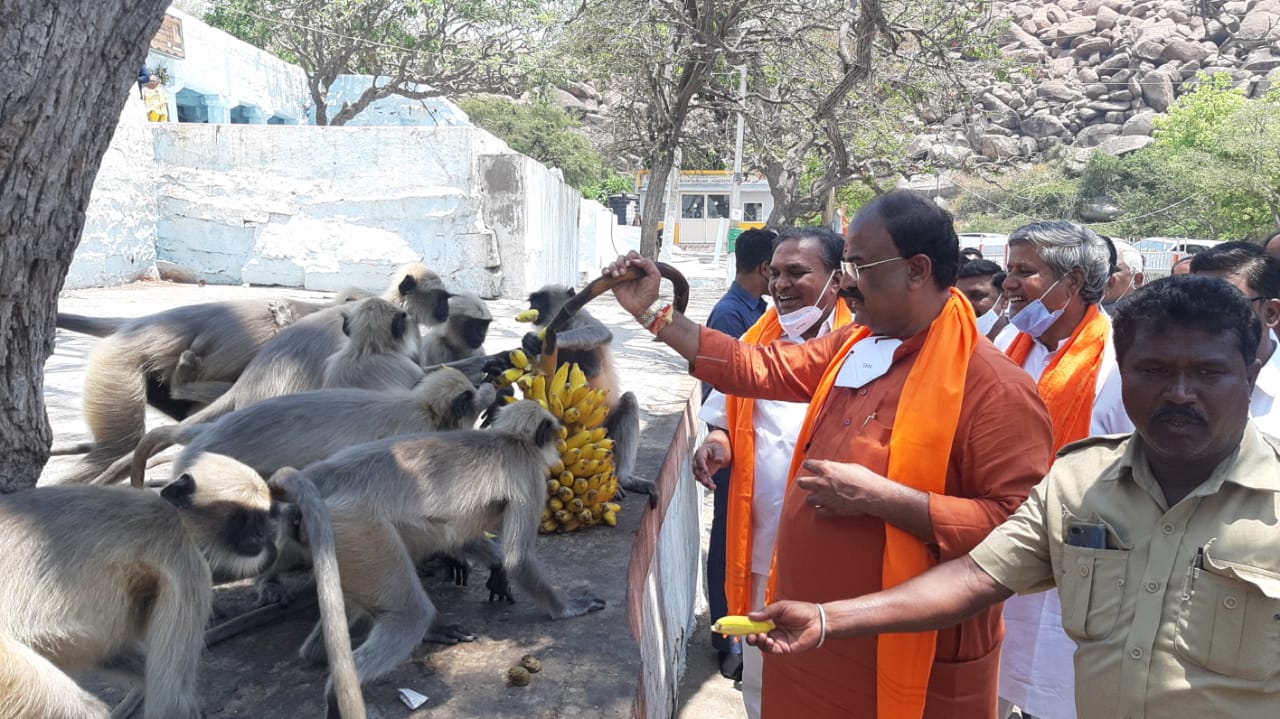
(1179,616)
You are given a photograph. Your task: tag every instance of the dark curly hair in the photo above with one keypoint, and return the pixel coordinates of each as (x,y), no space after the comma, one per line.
(1195,302)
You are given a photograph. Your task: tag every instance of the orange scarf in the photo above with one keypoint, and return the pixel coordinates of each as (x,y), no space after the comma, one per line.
(742,438)
(1067,385)
(919,454)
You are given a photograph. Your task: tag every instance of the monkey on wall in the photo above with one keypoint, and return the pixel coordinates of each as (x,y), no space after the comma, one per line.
(394,502)
(121,580)
(461,335)
(588,342)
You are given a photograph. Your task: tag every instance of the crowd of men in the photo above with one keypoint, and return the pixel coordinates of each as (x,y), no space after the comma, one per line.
(905,438)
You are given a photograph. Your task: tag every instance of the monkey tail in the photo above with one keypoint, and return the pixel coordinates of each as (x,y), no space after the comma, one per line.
(95,326)
(175,633)
(63,450)
(300,491)
(154,441)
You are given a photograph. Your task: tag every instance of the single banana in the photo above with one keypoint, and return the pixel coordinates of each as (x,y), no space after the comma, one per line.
(610,518)
(577,378)
(519,359)
(538,390)
(530,315)
(572,415)
(578,441)
(585,517)
(511,374)
(738,625)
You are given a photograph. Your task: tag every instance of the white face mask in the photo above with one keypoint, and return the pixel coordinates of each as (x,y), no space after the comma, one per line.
(1035,319)
(988,319)
(795,324)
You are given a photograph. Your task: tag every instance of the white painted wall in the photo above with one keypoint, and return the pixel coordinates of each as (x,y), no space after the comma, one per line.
(324,207)
(118,243)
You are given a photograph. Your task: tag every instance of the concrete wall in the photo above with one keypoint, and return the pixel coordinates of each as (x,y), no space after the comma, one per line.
(663,581)
(118,243)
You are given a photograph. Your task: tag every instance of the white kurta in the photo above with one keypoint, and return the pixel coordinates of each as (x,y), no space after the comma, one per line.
(1263,404)
(1036,669)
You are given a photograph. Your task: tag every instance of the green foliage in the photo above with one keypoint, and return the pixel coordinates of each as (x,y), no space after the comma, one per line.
(1196,120)
(613,184)
(544,132)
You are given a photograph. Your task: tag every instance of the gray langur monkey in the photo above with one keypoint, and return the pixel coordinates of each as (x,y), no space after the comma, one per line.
(396,501)
(588,342)
(462,335)
(414,288)
(148,360)
(381,353)
(121,580)
(299,429)
(381,350)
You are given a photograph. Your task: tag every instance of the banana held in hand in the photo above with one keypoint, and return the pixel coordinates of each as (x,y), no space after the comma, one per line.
(527,316)
(738,625)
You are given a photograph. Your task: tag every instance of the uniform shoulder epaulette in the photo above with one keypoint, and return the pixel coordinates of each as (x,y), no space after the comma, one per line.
(1106,441)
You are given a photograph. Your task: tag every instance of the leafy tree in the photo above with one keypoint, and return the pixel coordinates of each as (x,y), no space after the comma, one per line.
(413,48)
(542,131)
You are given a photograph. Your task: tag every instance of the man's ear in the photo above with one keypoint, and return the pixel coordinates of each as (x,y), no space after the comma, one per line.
(1138,279)
(1269,313)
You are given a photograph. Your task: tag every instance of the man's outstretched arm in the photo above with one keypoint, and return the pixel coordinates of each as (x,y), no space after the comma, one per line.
(941,597)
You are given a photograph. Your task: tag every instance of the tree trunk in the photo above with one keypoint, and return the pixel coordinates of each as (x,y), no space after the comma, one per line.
(67,67)
(651,213)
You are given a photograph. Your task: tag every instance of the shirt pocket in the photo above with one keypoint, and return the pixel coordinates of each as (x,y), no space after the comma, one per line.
(1229,620)
(1092,590)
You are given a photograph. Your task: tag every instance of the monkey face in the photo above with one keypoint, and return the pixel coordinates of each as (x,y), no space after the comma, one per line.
(227,510)
(439,303)
(474,332)
(398,325)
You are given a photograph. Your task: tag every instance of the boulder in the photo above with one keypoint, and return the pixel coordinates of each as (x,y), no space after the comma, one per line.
(1106,18)
(1098,209)
(1140,124)
(1149,48)
(1261,61)
(1157,91)
(1095,91)
(1095,134)
(999,147)
(1108,106)
(1075,159)
(1183,50)
(1259,27)
(1116,62)
(1075,27)
(1123,145)
(1057,91)
(950,155)
(1120,96)
(1039,126)
(1087,75)
(1090,46)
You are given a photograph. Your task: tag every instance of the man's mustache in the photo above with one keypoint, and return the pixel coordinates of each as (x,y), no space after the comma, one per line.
(1183,412)
(851,293)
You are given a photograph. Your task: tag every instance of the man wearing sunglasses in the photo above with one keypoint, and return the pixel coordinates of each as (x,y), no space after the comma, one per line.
(920,438)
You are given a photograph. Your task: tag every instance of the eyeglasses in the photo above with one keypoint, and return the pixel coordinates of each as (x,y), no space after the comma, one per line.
(1259,299)
(853,270)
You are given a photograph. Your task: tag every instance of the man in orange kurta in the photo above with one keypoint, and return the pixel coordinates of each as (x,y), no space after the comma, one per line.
(983,440)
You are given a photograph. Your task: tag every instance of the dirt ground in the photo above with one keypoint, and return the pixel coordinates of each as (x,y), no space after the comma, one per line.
(590,664)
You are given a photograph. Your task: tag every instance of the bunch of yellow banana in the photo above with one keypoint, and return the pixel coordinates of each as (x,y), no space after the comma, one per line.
(581,483)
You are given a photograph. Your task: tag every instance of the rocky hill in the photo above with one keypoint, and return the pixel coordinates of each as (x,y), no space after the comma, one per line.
(1094,73)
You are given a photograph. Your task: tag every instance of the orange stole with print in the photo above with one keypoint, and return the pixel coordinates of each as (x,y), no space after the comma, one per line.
(919,453)
(1067,385)
(742,439)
